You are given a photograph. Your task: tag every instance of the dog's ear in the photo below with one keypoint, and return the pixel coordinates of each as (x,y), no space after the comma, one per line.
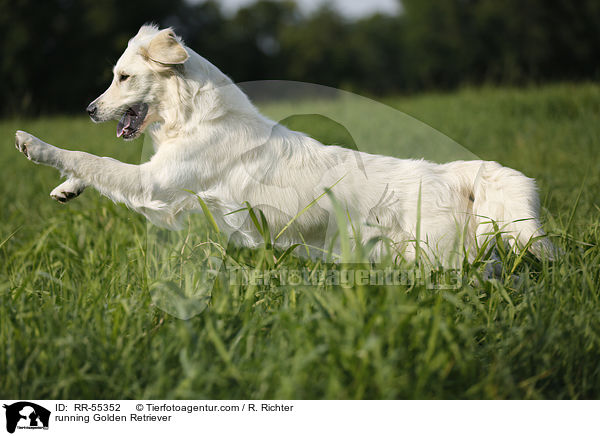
(166,49)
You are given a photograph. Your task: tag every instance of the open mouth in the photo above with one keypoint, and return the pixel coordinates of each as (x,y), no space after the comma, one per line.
(130,123)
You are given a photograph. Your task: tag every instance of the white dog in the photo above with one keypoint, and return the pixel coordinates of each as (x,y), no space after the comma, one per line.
(209,139)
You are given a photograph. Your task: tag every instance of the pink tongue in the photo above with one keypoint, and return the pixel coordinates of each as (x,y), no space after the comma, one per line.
(123,124)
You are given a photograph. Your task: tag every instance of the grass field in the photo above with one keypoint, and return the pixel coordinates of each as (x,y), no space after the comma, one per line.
(77,317)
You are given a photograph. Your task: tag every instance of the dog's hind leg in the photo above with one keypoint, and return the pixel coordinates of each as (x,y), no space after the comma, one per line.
(68,190)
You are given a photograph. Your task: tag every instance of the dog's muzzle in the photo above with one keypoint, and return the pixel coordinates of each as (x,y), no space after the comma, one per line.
(130,123)
(92,111)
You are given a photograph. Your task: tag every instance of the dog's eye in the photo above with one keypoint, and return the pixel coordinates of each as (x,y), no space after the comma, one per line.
(123,77)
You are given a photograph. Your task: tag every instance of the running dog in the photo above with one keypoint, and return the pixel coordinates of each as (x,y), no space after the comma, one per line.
(211,142)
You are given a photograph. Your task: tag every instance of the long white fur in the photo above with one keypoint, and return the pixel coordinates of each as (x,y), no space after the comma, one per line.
(211,140)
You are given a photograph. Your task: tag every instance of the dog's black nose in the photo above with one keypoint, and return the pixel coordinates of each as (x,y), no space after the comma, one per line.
(91,110)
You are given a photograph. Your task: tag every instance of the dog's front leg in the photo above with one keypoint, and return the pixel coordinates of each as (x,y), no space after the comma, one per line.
(36,150)
(68,190)
(119,181)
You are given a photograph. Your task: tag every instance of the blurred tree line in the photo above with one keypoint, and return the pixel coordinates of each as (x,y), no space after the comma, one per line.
(56,55)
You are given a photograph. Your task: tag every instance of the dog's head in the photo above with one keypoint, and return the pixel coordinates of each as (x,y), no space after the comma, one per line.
(139,76)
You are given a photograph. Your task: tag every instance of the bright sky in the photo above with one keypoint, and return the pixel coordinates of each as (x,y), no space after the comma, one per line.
(348,8)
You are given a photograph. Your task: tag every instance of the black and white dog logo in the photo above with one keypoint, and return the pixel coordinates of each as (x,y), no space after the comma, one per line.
(26,415)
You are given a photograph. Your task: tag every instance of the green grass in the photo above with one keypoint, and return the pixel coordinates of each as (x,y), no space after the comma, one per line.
(78,318)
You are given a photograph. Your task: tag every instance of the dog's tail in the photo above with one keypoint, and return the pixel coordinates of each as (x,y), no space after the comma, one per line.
(504,199)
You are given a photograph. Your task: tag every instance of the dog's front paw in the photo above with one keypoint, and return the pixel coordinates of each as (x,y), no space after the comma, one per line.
(63,196)
(34,149)
(68,190)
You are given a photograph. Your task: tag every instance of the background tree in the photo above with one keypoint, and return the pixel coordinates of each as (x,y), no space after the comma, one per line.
(57,55)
